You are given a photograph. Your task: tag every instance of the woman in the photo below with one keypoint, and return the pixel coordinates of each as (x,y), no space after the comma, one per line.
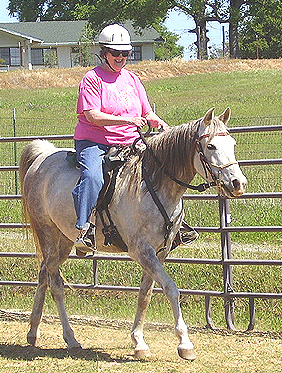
(112,103)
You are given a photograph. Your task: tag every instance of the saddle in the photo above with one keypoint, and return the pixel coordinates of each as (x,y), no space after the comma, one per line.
(114,159)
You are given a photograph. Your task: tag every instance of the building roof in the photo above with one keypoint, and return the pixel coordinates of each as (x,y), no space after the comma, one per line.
(50,32)
(20,35)
(66,32)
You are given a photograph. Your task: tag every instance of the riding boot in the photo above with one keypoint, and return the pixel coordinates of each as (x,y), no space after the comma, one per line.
(184,236)
(85,242)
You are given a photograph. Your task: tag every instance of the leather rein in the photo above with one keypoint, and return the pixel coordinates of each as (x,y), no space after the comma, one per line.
(200,188)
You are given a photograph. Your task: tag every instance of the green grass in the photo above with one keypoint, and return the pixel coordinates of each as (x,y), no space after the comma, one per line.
(248,94)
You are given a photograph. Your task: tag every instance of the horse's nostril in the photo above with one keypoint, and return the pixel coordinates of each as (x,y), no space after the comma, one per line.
(236,184)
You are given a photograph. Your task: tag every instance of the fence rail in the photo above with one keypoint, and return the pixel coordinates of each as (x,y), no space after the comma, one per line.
(226,262)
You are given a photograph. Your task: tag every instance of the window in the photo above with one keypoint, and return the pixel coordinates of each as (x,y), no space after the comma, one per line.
(44,57)
(75,56)
(11,56)
(5,55)
(15,56)
(136,54)
(37,56)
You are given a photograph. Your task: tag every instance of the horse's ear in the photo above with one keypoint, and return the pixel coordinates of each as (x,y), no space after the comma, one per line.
(209,117)
(225,116)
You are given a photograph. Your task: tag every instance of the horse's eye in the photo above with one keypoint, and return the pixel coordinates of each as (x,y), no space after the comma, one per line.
(211,147)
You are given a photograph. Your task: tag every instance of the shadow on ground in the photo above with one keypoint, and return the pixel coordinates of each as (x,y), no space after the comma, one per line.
(29,353)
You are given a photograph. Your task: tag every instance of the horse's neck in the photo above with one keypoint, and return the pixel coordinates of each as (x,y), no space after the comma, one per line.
(172,154)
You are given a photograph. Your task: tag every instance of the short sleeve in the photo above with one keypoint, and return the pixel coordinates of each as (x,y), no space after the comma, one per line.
(89,95)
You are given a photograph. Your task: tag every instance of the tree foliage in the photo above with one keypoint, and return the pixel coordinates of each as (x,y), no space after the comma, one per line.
(169,49)
(44,10)
(261,31)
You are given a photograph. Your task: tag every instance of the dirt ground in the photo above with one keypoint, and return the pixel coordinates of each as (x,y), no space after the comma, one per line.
(107,348)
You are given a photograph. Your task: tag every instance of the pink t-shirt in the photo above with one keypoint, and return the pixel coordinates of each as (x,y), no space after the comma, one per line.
(120,94)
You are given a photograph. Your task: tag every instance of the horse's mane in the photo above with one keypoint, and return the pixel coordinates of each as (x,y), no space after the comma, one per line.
(171,152)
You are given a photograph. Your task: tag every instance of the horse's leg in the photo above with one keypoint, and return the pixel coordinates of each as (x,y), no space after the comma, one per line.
(36,313)
(55,249)
(145,294)
(57,256)
(57,290)
(151,264)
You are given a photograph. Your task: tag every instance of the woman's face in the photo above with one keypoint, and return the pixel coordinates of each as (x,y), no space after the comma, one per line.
(116,59)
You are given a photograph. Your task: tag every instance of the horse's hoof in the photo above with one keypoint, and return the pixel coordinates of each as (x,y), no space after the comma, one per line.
(142,354)
(75,349)
(31,340)
(187,354)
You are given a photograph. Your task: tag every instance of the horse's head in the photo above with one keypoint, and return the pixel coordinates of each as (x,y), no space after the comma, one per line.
(215,156)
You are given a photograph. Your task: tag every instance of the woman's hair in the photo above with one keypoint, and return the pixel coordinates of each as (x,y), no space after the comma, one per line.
(103,52)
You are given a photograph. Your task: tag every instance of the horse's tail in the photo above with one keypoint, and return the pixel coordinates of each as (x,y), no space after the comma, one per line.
(30,153)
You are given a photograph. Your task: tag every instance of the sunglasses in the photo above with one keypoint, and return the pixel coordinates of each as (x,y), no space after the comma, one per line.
(116,53)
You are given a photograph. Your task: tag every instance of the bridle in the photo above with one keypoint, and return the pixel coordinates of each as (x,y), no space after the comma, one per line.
(207,166)
(217,180)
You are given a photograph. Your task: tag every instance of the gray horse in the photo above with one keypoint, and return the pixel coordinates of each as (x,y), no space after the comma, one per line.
(203,146)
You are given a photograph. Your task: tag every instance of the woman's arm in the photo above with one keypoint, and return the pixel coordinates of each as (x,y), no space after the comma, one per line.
(103,119)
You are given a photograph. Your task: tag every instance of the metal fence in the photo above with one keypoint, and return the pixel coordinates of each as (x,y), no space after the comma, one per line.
(224,229)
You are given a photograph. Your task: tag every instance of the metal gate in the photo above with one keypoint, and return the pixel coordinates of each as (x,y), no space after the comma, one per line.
(224,228)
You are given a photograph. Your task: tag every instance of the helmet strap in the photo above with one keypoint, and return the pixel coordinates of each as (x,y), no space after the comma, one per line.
(108,63)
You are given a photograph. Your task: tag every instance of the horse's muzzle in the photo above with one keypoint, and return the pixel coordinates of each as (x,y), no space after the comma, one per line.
(235,188)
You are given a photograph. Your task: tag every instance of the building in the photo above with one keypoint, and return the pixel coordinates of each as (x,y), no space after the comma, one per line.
(58,43)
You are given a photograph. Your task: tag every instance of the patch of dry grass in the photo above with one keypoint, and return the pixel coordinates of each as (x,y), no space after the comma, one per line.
(107,348)
(147,70)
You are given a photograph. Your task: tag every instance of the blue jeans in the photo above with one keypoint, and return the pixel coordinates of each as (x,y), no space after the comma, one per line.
(90,156)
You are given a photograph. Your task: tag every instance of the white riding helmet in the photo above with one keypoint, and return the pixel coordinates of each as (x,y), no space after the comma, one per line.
(115,37)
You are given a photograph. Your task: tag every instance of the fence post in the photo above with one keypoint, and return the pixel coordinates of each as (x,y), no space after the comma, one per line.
(225,220)
(15,149)
(209,320)
(95,271)
(252,314)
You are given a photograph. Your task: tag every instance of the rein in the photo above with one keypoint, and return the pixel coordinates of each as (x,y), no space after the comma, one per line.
(200,188)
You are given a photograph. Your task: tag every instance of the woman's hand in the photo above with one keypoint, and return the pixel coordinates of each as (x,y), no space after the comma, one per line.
(103,119)
(157,122)
(163,126)
(138,122)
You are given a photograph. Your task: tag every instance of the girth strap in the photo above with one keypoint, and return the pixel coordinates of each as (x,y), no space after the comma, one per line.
(168,223)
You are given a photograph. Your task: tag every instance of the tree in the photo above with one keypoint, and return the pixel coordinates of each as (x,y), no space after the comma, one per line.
(169,49)
(43,10)
(234,20)
(143,13)
(26,10)
(261,31)
(203,11)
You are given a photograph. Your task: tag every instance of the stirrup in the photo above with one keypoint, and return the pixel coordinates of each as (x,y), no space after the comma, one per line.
(85,242)
(184,236)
